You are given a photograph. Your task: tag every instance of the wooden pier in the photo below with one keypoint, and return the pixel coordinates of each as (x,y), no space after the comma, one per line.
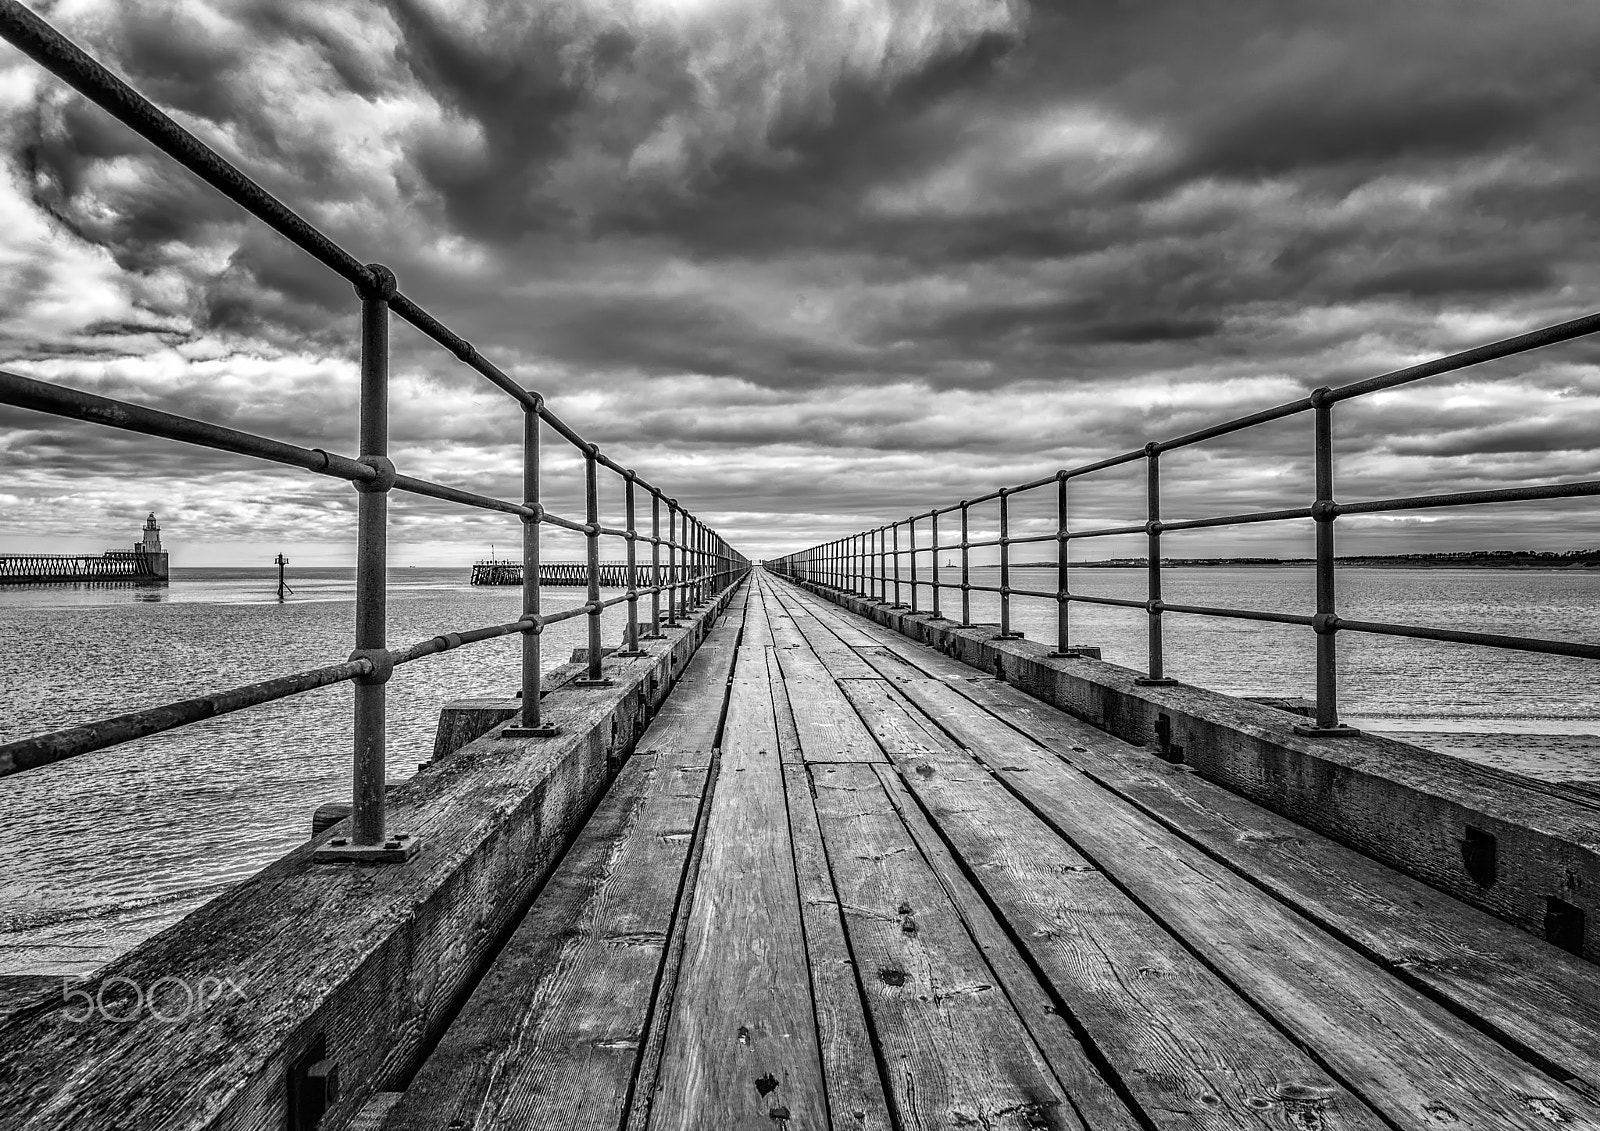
(895,893)
(845,881)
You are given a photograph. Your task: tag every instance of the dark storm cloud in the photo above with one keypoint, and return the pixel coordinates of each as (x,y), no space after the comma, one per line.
(857,260)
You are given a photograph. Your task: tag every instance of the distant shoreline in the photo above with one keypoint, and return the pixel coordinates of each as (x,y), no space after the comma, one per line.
(1487,559)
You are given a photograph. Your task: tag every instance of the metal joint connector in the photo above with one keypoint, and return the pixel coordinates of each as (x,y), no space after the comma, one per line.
(630,535)
(631,475)
(1319,397)
(1061,476)
(1154,526)
(592,529)
(1325,624)
(1063,535)
(382,661)
(1324,510)
(1063,597)
(1154,608)
(1005,590)
(532,513)
(536,621)
(380,284)
(1153,448)
(449,640)
(325,459)
(385,477)
(596,607)
(535,401)
(467,352)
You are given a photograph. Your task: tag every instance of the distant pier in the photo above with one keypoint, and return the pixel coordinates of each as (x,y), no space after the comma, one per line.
(145,564)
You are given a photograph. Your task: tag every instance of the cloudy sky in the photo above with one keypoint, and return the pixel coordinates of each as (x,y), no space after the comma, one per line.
(812,265)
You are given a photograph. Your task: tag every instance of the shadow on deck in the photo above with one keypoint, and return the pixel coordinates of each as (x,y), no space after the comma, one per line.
(848,882)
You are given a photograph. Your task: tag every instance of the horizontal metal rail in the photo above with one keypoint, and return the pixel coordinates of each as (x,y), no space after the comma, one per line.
(698,563)
(869,563)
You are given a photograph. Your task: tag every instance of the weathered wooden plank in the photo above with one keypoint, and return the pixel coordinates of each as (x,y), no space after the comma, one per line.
(1403,1053)
(895,730)
(741,1048)
(1187,1049)
(955,1052)
(828,727)
(838,655)
(655,1040)
(687,719)
(552,1033)
(1096,1102)
(855,1091)
(1535,996)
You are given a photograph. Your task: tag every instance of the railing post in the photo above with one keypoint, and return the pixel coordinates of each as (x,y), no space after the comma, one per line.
(655,632)
(1064,649)
(966,570)
(911,539)
(630,645)
(1323,512)
(591,497)
(672,563)
(530,718)
(894,529)
(1005,632)
(370,839)
(531,641)
(935,536)
(1156,676)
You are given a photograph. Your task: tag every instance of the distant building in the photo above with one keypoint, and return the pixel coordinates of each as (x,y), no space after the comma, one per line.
(148,557)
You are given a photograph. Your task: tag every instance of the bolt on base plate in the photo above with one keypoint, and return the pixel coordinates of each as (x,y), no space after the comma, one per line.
(397,849)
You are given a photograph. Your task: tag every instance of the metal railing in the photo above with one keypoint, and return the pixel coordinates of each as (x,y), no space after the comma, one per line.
(689,563)
(869,563)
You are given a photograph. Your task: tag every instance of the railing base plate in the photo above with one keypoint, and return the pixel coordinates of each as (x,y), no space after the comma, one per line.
(1006,636)
(624,652)
(396,850)
(1146,681)
(1340,731)
(601,682)
(530,732)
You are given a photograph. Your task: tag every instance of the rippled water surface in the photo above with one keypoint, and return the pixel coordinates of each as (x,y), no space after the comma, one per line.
(104,850)
(1380,677)
(107,848)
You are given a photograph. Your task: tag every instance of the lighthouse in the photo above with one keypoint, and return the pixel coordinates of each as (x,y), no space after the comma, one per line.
(152,537)
(151,550)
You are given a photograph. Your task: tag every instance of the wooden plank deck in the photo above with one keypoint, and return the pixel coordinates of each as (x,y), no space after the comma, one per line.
(850,883)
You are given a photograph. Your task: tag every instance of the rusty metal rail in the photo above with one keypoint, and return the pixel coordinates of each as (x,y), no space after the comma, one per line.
(869,563)
(698,563)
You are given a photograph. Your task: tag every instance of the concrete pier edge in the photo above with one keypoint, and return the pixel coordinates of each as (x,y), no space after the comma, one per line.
(1417,810)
